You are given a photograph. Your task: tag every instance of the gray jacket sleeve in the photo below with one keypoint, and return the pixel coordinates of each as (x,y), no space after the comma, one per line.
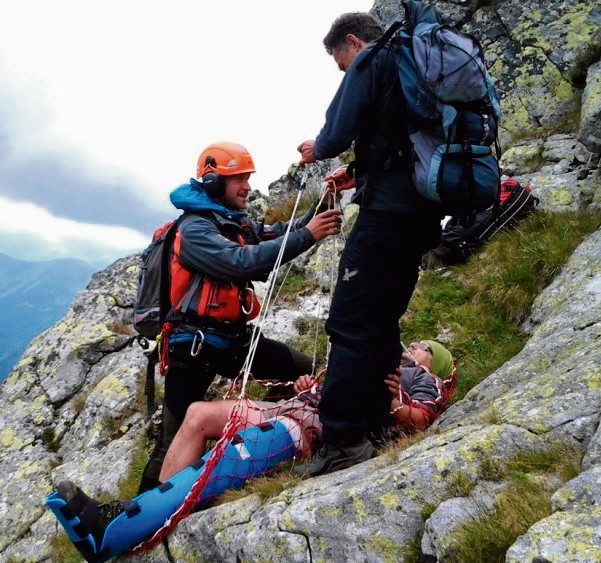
(205,250)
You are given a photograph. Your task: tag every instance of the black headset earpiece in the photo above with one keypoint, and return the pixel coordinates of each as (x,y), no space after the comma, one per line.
(214,185)
(212,182)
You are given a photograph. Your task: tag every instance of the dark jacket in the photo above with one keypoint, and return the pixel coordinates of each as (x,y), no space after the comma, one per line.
(209,242)
(368,109)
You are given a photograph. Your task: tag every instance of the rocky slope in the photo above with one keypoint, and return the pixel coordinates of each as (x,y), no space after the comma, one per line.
(70,408)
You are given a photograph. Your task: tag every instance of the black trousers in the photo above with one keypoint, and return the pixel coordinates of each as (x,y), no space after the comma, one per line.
(377,275)
(189,378)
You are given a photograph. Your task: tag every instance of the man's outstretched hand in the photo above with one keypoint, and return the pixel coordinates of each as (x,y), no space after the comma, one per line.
(306,150)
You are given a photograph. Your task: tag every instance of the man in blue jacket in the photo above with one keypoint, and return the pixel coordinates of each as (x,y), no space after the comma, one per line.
(217,253)
(379,266)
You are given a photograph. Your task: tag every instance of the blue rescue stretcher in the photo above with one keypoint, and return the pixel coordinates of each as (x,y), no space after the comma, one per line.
(253,452)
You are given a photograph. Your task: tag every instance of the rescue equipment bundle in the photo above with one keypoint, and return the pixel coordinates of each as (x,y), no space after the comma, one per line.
(458,242)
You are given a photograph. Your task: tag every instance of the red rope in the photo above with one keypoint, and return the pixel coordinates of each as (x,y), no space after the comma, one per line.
(191,500)
(164,348)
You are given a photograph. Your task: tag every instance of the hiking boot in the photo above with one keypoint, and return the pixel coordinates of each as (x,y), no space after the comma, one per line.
(94,517)
(332,457)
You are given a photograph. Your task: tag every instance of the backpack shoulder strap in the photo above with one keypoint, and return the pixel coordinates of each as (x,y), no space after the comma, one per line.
(415,12)
(165,289)
(378,45)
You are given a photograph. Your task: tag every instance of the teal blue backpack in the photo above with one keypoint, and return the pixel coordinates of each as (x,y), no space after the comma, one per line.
(452,110)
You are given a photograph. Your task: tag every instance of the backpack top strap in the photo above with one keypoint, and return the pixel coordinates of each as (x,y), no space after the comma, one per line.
(378,45)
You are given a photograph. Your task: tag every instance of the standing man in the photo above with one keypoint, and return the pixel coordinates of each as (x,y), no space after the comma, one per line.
(379,266)
(217,253)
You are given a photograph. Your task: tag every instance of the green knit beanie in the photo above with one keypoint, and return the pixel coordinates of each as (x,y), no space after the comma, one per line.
(442,360)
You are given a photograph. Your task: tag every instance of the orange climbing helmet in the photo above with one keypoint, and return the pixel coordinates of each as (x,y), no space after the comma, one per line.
(225,159)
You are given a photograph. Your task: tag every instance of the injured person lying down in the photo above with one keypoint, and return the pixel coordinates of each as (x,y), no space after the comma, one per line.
(253,438)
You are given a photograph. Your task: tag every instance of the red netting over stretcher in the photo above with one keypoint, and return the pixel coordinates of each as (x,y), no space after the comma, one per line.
(268,424)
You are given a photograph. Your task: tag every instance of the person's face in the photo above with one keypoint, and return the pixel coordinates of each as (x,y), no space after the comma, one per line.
(237,189)
(422,353)
(346,53)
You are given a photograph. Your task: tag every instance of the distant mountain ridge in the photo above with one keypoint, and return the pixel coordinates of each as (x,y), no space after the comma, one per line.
(33,296)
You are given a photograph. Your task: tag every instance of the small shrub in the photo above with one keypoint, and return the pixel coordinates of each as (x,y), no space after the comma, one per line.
(50,440)
(460,484)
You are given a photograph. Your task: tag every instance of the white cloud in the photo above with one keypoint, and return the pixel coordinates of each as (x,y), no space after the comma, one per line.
(31,233)
(145,86)
(136,89)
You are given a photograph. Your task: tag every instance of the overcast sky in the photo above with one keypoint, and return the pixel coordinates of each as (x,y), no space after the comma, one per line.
(105,106)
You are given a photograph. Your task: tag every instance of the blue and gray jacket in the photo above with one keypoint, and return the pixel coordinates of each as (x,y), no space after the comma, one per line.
(209,240)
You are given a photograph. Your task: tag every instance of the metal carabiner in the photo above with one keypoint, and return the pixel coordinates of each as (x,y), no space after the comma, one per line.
(196,345)
(252,301)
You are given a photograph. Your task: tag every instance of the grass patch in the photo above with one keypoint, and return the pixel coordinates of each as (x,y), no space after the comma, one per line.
(128,487)
(427,510)
(293,282)
(50,440)
(266,487)
(483,303)
(395,446)
(284,211)
(312,339)
(492,470)
(561,460)
(63,551)
(411,552)
(525,501)
(460,484)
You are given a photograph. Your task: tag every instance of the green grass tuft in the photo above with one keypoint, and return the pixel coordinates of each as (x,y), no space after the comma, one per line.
(292,283)
(63,551)
(284,211)
(128,487)
(525,501)
(50,439)
(266,487)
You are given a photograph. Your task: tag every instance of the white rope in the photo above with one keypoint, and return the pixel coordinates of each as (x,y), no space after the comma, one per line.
(277,295)
(258,326)
(334,203)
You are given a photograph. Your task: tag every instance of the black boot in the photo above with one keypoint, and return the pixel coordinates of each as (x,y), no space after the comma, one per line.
(94,517)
